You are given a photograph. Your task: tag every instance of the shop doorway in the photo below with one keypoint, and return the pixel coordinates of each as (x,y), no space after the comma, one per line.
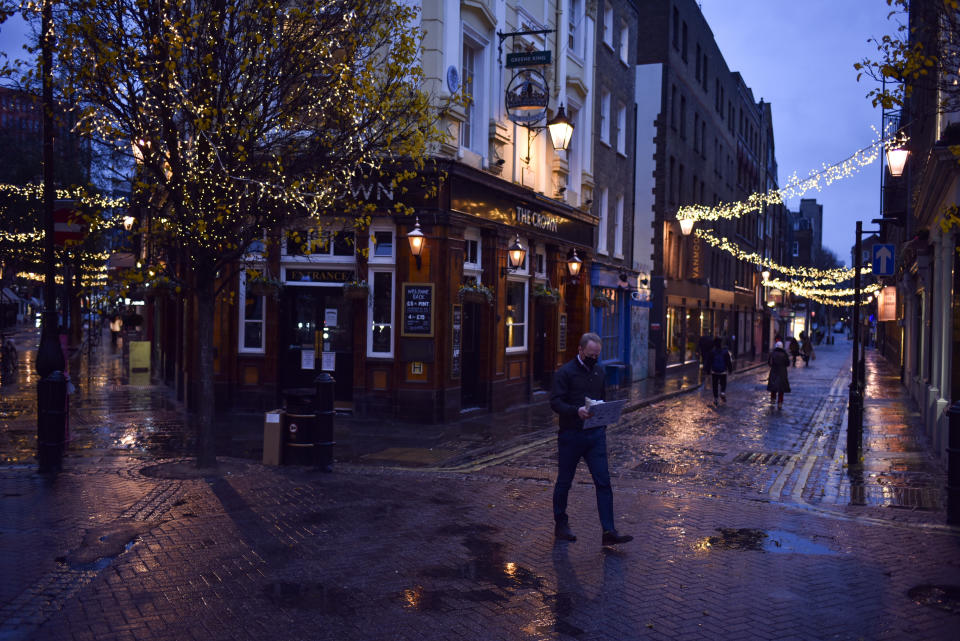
(540,381)
(316,326)
(471,385)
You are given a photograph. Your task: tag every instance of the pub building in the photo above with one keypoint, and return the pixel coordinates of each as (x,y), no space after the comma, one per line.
(417,345)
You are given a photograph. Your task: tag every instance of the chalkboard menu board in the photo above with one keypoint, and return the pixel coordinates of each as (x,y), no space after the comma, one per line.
(417,309)
(562,333)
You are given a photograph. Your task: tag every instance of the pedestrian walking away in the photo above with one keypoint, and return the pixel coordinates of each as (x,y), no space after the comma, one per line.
(720,364)
(777,382)
(806,349)
(576,381)
(794,351)
(705,345)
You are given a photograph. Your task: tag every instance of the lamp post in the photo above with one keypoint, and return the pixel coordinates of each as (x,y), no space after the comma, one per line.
(573,266)
(52,387)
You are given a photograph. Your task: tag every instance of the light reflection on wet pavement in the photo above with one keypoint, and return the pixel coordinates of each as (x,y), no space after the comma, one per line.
(125,545)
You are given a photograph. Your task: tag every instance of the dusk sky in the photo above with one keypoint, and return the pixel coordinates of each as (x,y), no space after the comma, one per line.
(799,57)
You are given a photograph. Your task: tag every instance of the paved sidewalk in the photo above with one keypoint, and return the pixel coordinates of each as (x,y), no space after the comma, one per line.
(738,534)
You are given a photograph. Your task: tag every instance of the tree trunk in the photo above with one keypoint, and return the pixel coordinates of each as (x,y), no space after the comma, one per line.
(206,441)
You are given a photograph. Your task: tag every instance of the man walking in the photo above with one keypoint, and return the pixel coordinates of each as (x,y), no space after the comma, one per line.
(576,381)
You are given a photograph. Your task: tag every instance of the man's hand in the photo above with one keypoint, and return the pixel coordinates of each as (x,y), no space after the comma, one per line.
(584,413)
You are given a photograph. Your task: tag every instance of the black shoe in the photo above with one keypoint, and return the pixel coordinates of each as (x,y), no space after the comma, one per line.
(563,532)
(612,538)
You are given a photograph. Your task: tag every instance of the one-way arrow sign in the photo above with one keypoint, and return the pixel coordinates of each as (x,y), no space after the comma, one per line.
(883,260)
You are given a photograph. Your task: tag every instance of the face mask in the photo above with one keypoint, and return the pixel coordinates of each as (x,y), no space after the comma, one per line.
(589,361)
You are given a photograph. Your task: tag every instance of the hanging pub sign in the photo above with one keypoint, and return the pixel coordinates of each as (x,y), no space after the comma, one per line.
(887,304)
(529,59)
(527,97)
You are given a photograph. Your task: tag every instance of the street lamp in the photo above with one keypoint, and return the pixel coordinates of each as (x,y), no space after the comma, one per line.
(686,225)
(765,275)
(515,255)
(128,222)
(897,160)
(561,129)
(574,264)
(417,240)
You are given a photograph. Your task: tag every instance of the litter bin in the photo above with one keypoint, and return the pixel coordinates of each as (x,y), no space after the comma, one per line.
(299,427)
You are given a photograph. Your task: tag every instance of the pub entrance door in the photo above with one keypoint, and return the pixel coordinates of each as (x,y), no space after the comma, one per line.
(471,386)
(539,348)
(316,327)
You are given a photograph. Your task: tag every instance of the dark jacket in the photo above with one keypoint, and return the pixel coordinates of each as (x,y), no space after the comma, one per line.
(717,356)
(571,385)
(778,381)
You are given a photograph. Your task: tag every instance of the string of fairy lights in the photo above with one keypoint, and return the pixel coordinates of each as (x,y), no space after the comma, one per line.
(808,282)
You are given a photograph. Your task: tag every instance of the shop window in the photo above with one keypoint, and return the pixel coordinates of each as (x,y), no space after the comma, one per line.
(472,254)
(252,315)
(380,308)
(610,326)
(516,316)
(540,264)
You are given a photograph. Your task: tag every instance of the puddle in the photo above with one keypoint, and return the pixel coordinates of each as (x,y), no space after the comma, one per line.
(773,541)
(942,597)
(97,564)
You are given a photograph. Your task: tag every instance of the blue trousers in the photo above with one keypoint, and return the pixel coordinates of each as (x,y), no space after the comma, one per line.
(591,446)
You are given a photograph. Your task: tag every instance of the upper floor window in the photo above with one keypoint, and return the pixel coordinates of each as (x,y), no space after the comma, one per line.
(683,41)
(602,225)
(470,75)
(605,116)
(576,18)
(608,24)
(618,229)
(676,29)
(699,62)
(683,117)
(624,42)
(621,128)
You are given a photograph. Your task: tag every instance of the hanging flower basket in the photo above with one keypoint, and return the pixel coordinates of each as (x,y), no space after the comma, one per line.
(601,301)
(356,290)
(546,295)
(476,293)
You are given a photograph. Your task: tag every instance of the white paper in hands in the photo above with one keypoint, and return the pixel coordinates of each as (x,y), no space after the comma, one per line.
(602,413)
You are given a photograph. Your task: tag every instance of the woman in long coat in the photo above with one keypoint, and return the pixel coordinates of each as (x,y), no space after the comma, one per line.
(777,383)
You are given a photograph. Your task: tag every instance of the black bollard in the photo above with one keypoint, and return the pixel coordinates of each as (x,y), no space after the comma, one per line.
(323,408)
(953,464)
(51,421)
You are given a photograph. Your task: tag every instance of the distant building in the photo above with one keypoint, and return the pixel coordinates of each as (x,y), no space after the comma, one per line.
(709,146)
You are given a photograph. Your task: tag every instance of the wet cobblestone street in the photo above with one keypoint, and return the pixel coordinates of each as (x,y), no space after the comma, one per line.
(747,527)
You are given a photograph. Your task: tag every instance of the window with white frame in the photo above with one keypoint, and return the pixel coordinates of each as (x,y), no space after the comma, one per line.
(605,116)
(321,244)
(472,253)
(621,128)
(624,42)
(380,307)
(252,319)
(470,77)
(796,248)
(516,314)
(574,160)
(575,36)
(540,263)
(602,225)
(618,229)
(382,244)
(608,24)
